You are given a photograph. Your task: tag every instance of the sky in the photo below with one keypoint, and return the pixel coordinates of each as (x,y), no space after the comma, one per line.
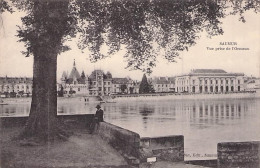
(246,35)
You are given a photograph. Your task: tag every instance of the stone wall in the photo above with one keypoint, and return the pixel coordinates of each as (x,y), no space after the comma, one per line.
(170,148)
(125,141)
(239,154)
(80,121)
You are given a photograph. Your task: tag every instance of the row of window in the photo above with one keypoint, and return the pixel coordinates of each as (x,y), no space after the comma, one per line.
(206,81)
(158,85)
(22,87)
(210,89)
(221,81)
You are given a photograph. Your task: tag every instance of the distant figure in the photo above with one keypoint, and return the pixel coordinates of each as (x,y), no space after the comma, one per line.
(98,117)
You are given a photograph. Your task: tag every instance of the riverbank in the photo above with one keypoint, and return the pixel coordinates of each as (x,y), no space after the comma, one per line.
(142,97)
(186,96)
(80,150)
(112,147)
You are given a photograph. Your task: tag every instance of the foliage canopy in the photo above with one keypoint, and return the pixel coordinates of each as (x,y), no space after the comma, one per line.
(144,28)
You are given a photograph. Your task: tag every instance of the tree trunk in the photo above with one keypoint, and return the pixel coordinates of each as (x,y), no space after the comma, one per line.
(42,120)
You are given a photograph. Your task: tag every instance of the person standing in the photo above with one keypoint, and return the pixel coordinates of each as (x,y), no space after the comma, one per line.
(98,117)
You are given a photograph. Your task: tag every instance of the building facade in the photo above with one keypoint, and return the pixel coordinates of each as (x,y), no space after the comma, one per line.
(15,87)
(125,86)
(74,83)
(163,84)
(210,81)
(98,83)
(252,84)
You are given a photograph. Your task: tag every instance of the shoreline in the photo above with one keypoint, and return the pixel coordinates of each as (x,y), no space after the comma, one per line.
(202,96)
(143,97)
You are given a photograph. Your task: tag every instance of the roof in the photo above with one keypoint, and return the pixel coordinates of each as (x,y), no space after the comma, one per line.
(64,75)
(74,73)
(94,73)
(208,71)
(79,80)
(108,75)
(14,80)
(74,76)
(163,80)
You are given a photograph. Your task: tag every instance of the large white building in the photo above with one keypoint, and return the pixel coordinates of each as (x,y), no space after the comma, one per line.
(209,81)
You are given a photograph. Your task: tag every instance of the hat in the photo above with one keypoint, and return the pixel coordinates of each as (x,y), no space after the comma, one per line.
(98,106)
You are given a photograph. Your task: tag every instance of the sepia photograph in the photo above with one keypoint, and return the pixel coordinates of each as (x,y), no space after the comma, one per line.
(129,83)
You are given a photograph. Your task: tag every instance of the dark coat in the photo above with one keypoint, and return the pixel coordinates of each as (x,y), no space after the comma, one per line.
(99,116)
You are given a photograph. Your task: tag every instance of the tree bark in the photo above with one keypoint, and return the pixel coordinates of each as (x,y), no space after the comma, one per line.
(43,122)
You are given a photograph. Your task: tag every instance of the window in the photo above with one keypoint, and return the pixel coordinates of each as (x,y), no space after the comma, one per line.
(206,81)
(232,81)
(216,81)
(193,81)
(105,83)
(200,81)
(108,83)
(211,81)
(238,81)
(226,81)
(78,89)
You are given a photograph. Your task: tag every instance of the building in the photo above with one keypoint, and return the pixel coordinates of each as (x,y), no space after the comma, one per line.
(74,83)
(15,87)
(209,81)
(163,84)
(124,86)
(98,83)
(252,84)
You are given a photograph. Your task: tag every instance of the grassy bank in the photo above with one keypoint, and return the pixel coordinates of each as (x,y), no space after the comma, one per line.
(81,150)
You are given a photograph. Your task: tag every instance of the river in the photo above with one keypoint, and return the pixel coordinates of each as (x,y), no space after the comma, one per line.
(204,123)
